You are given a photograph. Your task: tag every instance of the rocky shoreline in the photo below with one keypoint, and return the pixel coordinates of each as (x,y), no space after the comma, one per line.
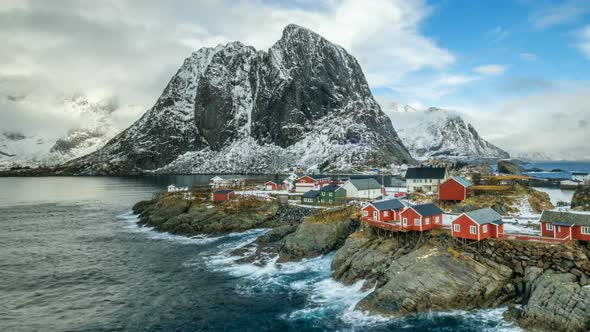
(545,286)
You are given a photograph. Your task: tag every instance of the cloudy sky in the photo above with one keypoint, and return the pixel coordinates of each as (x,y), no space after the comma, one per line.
(518,69)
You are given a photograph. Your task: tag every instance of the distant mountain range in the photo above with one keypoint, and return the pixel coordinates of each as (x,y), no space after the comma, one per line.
(31,149)
(439,133)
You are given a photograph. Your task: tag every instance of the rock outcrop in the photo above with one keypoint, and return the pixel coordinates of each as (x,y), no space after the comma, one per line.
(317,238)
(554,302)
(421,278)
(509,167)
(185,217)
(581,199)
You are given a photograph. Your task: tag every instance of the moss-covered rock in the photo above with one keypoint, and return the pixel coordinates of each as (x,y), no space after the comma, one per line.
(317,238)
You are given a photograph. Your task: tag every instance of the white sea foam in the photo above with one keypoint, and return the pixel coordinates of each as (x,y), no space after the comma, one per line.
(489,319)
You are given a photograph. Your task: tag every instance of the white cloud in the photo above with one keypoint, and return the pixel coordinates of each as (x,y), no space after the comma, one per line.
(584,41)
(528,56)
(554,122)
(131,48)
(432,90)
(497,34)
(565,12)
(492,69)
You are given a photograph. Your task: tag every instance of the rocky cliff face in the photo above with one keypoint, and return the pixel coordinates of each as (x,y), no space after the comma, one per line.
(234,109)
(412,276)
(439,133)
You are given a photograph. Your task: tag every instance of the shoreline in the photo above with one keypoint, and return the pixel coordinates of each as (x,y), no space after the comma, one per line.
(305,237)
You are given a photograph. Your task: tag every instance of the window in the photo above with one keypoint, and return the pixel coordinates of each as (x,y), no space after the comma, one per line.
(405,221)
(323,194)
(559,228)
(417,221)
(549,227)
(427,221)
(331,194)
(585,230)
(437,220)
(472,229)
(484,228)
(365,213)
(457,228)
(386,213)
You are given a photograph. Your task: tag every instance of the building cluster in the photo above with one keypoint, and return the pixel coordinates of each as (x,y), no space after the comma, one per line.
(474,225)
(320,189)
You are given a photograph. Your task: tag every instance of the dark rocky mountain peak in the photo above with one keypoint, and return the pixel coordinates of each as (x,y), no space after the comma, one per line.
(232,108)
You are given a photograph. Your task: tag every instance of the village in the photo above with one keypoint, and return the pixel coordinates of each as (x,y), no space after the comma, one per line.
(419,202)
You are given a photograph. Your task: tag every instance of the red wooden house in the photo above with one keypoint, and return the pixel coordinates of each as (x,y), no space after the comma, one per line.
(454,189)
(310,182)
(222,195)
(565,225)
(386,210)
(421,217)
(478,225)
(271,185)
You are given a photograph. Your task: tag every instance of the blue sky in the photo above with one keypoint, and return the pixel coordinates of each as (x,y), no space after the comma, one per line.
(513,68)
(537,48)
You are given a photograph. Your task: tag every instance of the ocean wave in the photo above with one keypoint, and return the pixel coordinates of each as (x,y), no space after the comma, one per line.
(489,320)
(329,297)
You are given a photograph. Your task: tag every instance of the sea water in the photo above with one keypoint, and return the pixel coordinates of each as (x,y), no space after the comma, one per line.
(72,258)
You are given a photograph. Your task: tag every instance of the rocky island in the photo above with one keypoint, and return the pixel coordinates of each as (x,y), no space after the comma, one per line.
(544,285)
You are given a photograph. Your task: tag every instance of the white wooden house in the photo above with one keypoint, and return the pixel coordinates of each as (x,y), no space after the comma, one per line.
(362,188)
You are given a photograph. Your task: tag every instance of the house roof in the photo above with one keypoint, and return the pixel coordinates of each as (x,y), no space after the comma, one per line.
(315,176)
(223,191)
(462,181)
(566,218)
(427,210)
(311,194)
(271,181)
(330,188)
(388,204)
(365,184)
(485,216)
(426,173)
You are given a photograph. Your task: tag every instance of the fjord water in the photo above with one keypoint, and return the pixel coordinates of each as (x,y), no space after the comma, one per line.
(73,259)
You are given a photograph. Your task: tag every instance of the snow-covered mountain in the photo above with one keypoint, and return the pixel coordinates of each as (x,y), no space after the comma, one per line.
(546,156)
(32,149)
(439,133)
(232,108)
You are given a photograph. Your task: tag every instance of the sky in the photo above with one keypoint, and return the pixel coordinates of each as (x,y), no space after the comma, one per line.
(519,70)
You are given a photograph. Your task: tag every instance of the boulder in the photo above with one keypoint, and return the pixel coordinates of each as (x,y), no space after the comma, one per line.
(509,167)
(317,238)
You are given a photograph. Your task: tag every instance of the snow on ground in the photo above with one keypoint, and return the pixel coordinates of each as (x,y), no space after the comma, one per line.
(448,218)
(557,195)
(521,226)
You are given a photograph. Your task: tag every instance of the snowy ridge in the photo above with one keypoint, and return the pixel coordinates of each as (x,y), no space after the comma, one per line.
(32,150)
(305,102)
(439,133)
